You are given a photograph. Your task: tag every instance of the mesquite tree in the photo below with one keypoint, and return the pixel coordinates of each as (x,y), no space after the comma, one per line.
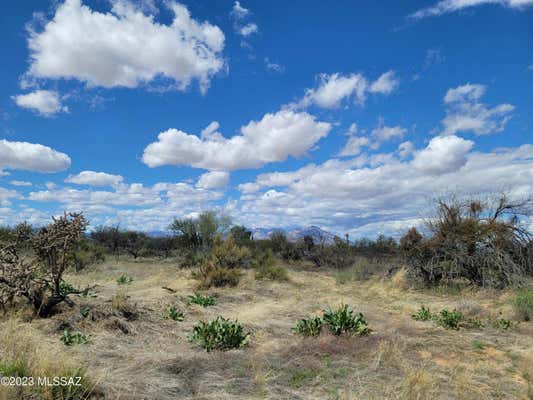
(37,277)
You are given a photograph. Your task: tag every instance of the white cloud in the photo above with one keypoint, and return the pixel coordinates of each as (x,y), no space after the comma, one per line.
(45,102)
(248,29)
(111,49)
(450,6)
(20,183)
(133,206)
(354,145)
(272,66)
(239,11)
(443,154)
(405,149)
(469,92)
(213,180)
(336,88)
(465,113)
(383,133)
(93,178)
(274,138)
(385,84)
(393,194)
(32,157)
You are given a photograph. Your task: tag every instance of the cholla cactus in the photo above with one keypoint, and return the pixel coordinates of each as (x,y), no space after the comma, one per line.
(38,277)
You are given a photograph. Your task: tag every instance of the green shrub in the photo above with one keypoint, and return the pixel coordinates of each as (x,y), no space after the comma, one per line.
(15,368)
(226,254)
(220,267)
(345,320)
(423,314)
(266,268)
(219,277)
(174,313)
(502,323)
(70,339)
(124,279)
(202,300)
(66,288)
(308,326)
(523,304)
(219,334)
(449,319)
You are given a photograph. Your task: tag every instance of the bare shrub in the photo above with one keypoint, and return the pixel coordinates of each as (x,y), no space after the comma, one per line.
(339,255)
(481,242)
(38,277)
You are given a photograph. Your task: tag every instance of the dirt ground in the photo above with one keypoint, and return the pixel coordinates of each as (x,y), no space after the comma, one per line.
(142,355)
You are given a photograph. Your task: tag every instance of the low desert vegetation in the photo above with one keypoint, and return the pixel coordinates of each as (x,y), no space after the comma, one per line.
(71,338)
(481,242)
(523,304)
(338,321)
(72,301)
(174,313)
(219,334)
(202,300)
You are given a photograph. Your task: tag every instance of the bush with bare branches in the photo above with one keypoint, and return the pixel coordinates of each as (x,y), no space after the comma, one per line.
(483,242)
(37,277)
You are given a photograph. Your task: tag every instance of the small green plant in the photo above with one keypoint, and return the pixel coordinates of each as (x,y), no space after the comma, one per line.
(423,314)
(202,300)
(66,288)
(502,323)
(308,326)
(449,319)
(523,304)
(344,319)
(84,311)
(219,334)
(477,345)
(15,368)
(124,279)
(476,323)
(174,313)
(69,338)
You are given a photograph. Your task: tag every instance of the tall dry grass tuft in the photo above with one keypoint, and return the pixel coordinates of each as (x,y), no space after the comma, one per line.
(23,352)
(418,385)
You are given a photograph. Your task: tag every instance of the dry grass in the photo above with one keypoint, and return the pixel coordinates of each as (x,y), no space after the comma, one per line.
(400,359)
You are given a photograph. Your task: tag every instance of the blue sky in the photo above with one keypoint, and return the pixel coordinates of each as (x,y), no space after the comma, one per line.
(279,113)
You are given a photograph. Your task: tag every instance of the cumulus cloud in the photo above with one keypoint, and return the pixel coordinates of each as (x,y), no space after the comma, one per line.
(93,178)
(20,183)
(354,144)
(450,6)
(238,11)
(44,102)
(334,89)
(273,138)
(465,112)
(213,180)
(383,133)
(31,157)
(111,49)
(443,154)
(405,149)
(385,84)
(248,29)
(392,194)
(134,206)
